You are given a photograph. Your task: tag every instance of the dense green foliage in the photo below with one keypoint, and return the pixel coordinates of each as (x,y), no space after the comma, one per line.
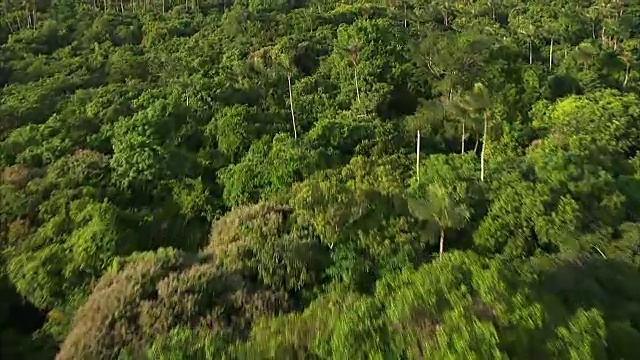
(442,179)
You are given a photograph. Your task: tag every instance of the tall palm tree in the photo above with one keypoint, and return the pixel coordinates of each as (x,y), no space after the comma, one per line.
(478,101)
(283,56)
(493,4)
(585,53)
(394,4)
(627,50)
(440,207)
(456,106)
(446,9)
(429,112)
(279,58)
(593,14)
(526,28)
(353,52)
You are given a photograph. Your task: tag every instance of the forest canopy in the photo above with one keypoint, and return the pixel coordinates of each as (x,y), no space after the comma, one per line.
(445,179)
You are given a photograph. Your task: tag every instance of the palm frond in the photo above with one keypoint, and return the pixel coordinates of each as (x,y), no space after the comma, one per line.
(418,208)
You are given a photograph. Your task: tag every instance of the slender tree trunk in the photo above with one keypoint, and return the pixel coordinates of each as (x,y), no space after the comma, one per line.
(7,11)
(626,75)
(441,241)
(475,147)
(9,25)
(121,6)
(355,75)
(462,139)
(446,19)
(293,116)
(530,53)
(604,39)
(484,145)
(593,30)
(405,14)
(418,156)
(551,55)
(35,14)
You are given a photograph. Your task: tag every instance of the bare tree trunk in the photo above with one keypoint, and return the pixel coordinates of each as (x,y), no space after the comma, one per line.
(475,147)
(293,116)
(593,30)
(530,53)
(551,55)
(355,75)
(626,75)
(462,139)
(418,156)
(484,145)
(405,13)
(441,241)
